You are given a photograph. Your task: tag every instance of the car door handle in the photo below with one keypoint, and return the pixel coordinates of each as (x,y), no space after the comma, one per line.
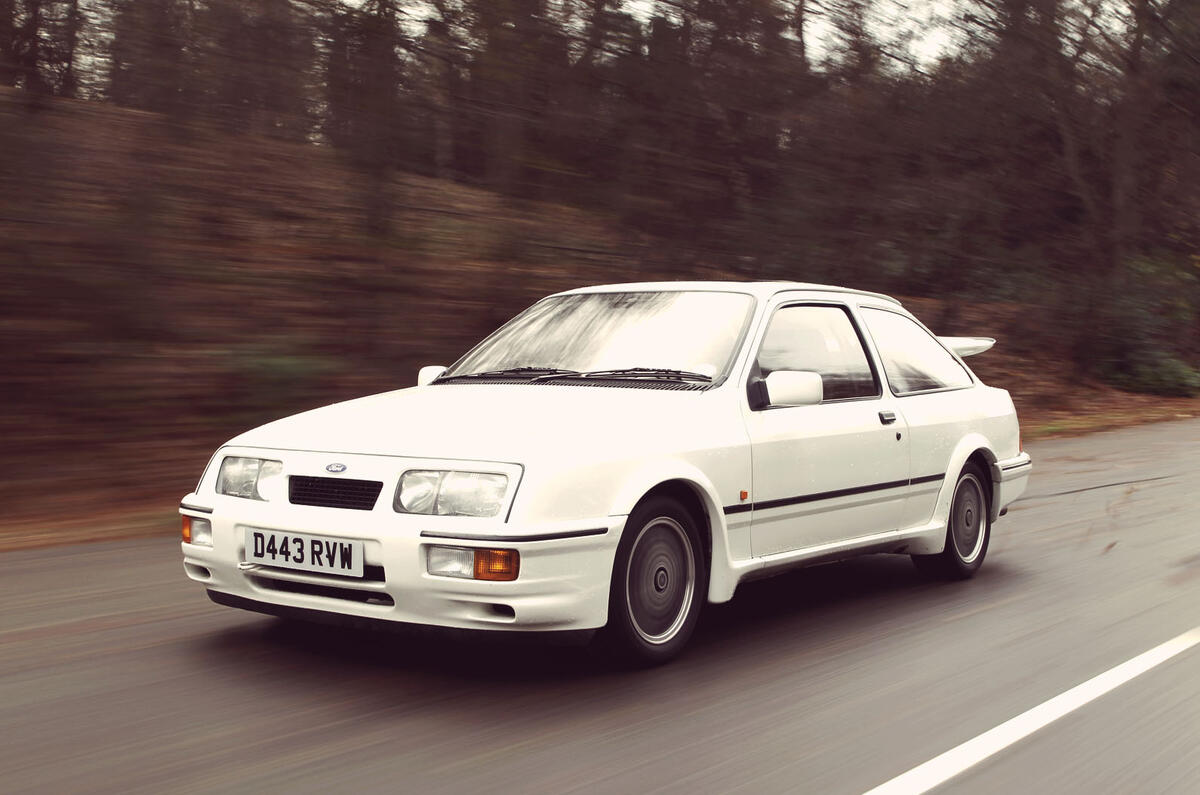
(887,417)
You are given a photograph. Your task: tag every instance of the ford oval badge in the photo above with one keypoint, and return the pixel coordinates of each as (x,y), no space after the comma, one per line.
(336,468)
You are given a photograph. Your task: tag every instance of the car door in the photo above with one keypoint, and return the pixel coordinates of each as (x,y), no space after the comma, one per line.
(831,471)
(930,385)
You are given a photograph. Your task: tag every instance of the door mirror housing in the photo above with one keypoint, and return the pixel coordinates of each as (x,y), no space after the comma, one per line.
(428,373)
(794,388)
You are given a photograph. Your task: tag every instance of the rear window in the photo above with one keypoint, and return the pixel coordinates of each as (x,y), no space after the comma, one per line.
(913,359)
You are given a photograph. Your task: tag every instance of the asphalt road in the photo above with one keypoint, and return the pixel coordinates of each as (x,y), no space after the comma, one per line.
(117,674)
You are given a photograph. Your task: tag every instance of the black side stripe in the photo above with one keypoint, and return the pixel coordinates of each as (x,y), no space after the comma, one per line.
(195,508)
(829,495)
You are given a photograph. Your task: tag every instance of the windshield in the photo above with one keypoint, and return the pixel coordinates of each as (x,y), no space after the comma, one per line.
(695,332)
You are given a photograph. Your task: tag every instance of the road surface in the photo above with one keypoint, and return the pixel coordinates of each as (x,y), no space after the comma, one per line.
(118,674)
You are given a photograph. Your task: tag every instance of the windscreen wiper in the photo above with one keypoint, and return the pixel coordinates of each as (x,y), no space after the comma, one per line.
(665,373)
(532,372)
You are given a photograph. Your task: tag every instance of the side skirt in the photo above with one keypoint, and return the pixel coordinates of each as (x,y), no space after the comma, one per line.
(924,540)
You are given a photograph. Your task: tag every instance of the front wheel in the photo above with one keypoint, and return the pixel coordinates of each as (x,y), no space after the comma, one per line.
(658,583)
(968,530)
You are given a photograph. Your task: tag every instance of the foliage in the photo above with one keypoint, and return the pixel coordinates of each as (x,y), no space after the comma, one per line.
(1160,374)
(376,183)
(1134,336)
(774,138)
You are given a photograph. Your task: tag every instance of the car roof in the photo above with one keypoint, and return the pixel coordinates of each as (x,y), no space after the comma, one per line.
(757,289)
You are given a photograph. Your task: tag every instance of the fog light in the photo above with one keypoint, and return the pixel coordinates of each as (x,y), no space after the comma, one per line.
(497,564)
(197,531)
(451,562)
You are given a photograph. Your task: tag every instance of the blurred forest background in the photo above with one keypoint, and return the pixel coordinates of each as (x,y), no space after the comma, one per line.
(217,212)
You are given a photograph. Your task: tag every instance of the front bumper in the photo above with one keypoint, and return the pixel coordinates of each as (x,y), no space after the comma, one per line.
(563,582)
(564,638)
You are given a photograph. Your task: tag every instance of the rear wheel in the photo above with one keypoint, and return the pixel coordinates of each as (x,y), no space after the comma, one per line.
(968,530)
(657,583)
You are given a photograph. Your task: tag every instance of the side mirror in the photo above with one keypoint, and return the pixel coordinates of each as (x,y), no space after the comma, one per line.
(794,388)
(426,374)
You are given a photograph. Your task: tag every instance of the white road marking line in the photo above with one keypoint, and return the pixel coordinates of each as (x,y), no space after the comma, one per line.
(948,765)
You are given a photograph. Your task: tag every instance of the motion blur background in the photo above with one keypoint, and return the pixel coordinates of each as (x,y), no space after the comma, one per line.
(218,212)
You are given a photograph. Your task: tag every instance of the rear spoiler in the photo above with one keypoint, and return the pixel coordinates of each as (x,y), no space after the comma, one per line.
(967,346)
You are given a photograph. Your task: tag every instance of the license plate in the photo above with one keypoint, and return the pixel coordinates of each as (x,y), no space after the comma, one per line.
(324,554)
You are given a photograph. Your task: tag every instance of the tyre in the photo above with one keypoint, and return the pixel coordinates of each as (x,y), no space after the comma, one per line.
(658,584)
(968,530)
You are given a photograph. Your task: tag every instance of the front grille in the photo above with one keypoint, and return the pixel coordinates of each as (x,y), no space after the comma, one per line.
(358,495)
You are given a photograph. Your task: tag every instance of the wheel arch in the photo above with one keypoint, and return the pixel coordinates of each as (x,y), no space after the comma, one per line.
(695,492)
(984,458)
(688,494)
(972,448)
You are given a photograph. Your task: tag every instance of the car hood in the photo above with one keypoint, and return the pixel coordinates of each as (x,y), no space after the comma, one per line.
(490,422)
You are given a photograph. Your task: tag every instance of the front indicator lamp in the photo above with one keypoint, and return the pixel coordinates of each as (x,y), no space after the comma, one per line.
(496,565)
(500,565)
(197,531)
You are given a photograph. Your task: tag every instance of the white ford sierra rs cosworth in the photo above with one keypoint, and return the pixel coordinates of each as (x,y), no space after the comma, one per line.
(614,457)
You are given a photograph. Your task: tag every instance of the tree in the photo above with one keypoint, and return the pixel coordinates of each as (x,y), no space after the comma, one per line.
(72,25)
(10,67)
(147,66)
(273,96)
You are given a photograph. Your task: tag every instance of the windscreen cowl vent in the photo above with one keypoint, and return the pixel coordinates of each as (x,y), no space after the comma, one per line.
(611,383)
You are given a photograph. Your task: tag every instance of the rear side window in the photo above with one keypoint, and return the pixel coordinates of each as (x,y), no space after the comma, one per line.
(819,339)
(913,360)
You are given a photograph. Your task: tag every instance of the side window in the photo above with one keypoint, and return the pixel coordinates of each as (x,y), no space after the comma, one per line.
(913,360)
(819,339)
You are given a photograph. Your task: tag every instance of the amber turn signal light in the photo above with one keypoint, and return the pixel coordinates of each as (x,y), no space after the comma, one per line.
(187,529)
(497,564)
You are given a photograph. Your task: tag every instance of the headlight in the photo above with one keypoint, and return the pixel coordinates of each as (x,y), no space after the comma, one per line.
(442,493)
(252,478)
